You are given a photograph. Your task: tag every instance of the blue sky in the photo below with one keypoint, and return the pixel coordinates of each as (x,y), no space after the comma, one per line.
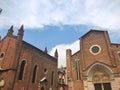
(60,23)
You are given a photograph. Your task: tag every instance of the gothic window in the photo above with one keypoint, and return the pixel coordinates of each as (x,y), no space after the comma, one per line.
(52,78)
(34,74)
(77,64)
(21,70)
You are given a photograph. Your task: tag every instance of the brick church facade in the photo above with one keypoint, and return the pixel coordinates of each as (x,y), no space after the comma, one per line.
(96,66)
(25,67)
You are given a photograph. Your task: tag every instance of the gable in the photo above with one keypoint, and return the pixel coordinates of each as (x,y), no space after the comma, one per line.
(92,31)
(95,46)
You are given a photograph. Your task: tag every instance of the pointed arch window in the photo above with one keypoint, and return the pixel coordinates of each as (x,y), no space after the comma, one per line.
(52,78)
(21,70)
(34,74)
(77,64)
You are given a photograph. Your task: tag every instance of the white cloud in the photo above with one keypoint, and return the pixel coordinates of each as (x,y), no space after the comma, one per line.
(104,13)
(62,51)
(37,13)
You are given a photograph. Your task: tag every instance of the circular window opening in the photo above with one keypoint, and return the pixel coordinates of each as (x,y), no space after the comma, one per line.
(95,49)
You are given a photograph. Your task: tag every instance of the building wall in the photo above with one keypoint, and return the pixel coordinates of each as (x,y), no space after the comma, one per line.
(43,62)
(13,52)
(7,73)
(97,56)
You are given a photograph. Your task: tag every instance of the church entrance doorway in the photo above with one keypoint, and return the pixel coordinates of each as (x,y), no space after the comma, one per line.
(100,77)
(101,81)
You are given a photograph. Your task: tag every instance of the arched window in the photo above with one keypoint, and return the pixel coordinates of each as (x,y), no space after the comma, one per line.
(52,78)
(21,70)
(34,74)
(77,62)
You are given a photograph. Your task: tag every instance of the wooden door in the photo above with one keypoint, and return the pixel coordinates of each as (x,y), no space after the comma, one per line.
(98,86)
(107,86)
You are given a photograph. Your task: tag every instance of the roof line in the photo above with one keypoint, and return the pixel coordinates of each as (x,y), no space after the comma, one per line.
(38,50)
(91,30)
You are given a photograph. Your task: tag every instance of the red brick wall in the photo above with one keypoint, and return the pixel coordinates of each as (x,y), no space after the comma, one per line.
(15,54)
(107,56)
